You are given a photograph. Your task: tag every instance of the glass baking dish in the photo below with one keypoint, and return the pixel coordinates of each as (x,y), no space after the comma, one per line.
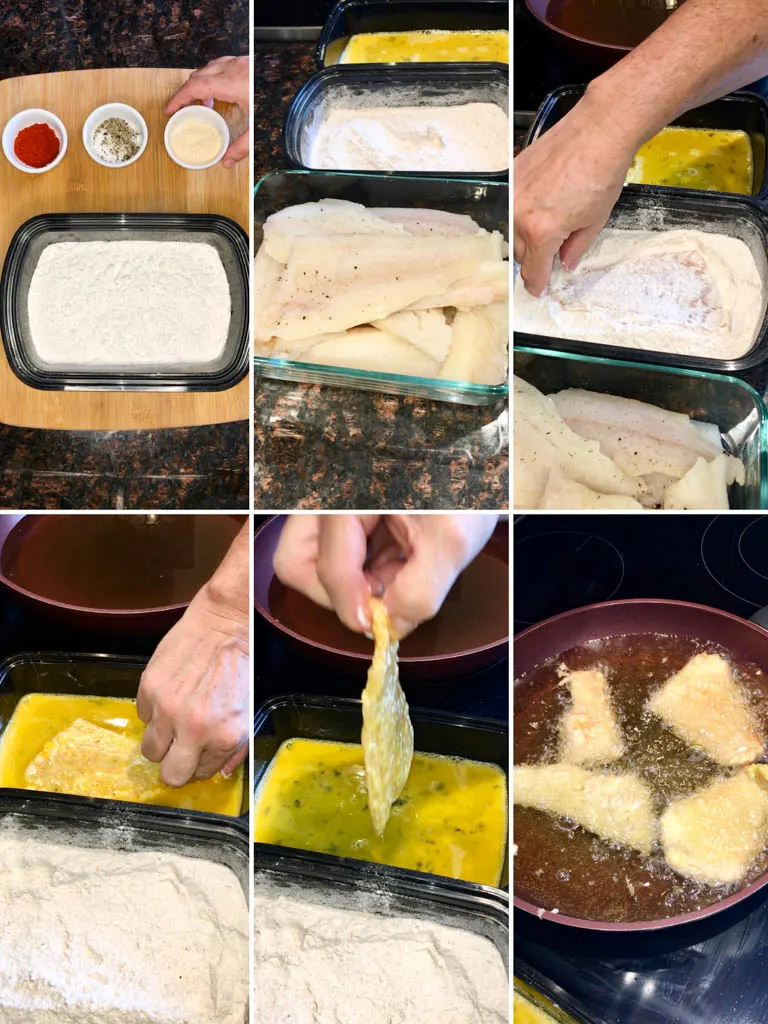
(33,237)
(422,85)
(732,404)
(486,201)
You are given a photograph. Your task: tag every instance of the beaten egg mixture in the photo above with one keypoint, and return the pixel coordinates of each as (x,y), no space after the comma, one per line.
(450,819)
(438,45)
(91,746)
(713,160)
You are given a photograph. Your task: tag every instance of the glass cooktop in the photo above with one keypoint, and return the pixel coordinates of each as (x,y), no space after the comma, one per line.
(714,972)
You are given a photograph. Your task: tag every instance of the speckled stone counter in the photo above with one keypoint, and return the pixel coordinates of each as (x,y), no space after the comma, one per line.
(321,447)
(200,467)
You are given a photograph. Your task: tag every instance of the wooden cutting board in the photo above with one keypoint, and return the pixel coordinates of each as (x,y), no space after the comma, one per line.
(154,184)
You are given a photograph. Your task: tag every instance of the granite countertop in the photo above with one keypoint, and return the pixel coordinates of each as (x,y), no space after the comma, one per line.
(323,447)
(199,467)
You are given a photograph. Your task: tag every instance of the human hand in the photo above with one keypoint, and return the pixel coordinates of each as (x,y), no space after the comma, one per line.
(226,79)
(412,561)
(566,185)
(194,693)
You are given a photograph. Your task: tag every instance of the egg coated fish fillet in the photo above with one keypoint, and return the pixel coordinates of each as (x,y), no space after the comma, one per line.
(704,706)
(614,807)
(715,835)
(589,732)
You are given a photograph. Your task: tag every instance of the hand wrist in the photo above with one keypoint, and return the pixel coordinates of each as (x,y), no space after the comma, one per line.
(224,608)
(605,109)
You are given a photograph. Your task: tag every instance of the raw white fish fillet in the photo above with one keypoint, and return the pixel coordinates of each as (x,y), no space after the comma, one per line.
(417,221)
(716,834)
(266,275)
(542,441)
(704,705)
(586,408)
(489,284)
(589,731)
(336,282)
(562,491)
(705,485)
(367,348)
(330,217)
(615,807)
(427,330)
(479,346)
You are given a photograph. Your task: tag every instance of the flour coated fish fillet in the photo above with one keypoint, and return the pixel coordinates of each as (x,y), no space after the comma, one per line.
(367,348)
(336,282)
(589,730)
(704,705)
(478,352)
(543,441)
(428,330)
(716,834)
(563,492)
(615,807)
(329,217)
(705,485)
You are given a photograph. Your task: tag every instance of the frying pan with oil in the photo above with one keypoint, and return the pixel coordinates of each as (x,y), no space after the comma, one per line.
(641,643)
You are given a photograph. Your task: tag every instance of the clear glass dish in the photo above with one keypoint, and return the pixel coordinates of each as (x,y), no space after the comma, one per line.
(486,201)
(731,403)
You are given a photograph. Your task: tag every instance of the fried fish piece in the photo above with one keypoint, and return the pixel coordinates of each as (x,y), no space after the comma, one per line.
(589,732)
(715,835)
(387,735)
(88,760)
(704,706)
(615,807)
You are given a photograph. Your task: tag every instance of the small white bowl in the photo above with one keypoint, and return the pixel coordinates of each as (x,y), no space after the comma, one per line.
(197,113)
(122,110)
(35,115)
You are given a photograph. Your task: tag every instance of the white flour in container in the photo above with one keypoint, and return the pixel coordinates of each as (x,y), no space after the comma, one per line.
(322,965)
(682,291)
(94,936)
(465,138)
(129,303)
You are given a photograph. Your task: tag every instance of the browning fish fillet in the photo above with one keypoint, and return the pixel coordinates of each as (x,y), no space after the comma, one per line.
(715,835)
(589,732)
(705,707)
(615,807)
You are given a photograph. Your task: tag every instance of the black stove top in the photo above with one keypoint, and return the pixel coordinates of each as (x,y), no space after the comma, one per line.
(713,973)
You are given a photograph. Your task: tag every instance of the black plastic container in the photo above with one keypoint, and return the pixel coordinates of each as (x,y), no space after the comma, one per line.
(739,111)
(99,675)
(351,17)
(340,719)
(27,245)
(659,209)
(423,85)
(374,888)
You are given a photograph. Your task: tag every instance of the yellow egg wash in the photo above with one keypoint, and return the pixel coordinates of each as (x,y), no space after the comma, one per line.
(91,746)
(432,45)
(527,1013)
(450,819)
(714,160)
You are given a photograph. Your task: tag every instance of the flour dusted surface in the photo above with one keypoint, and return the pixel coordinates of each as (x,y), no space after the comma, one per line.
(93,936)
(317,964)
(129,303)
(683,291)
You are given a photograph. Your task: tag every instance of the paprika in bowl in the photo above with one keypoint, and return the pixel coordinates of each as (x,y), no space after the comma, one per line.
(34,141)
